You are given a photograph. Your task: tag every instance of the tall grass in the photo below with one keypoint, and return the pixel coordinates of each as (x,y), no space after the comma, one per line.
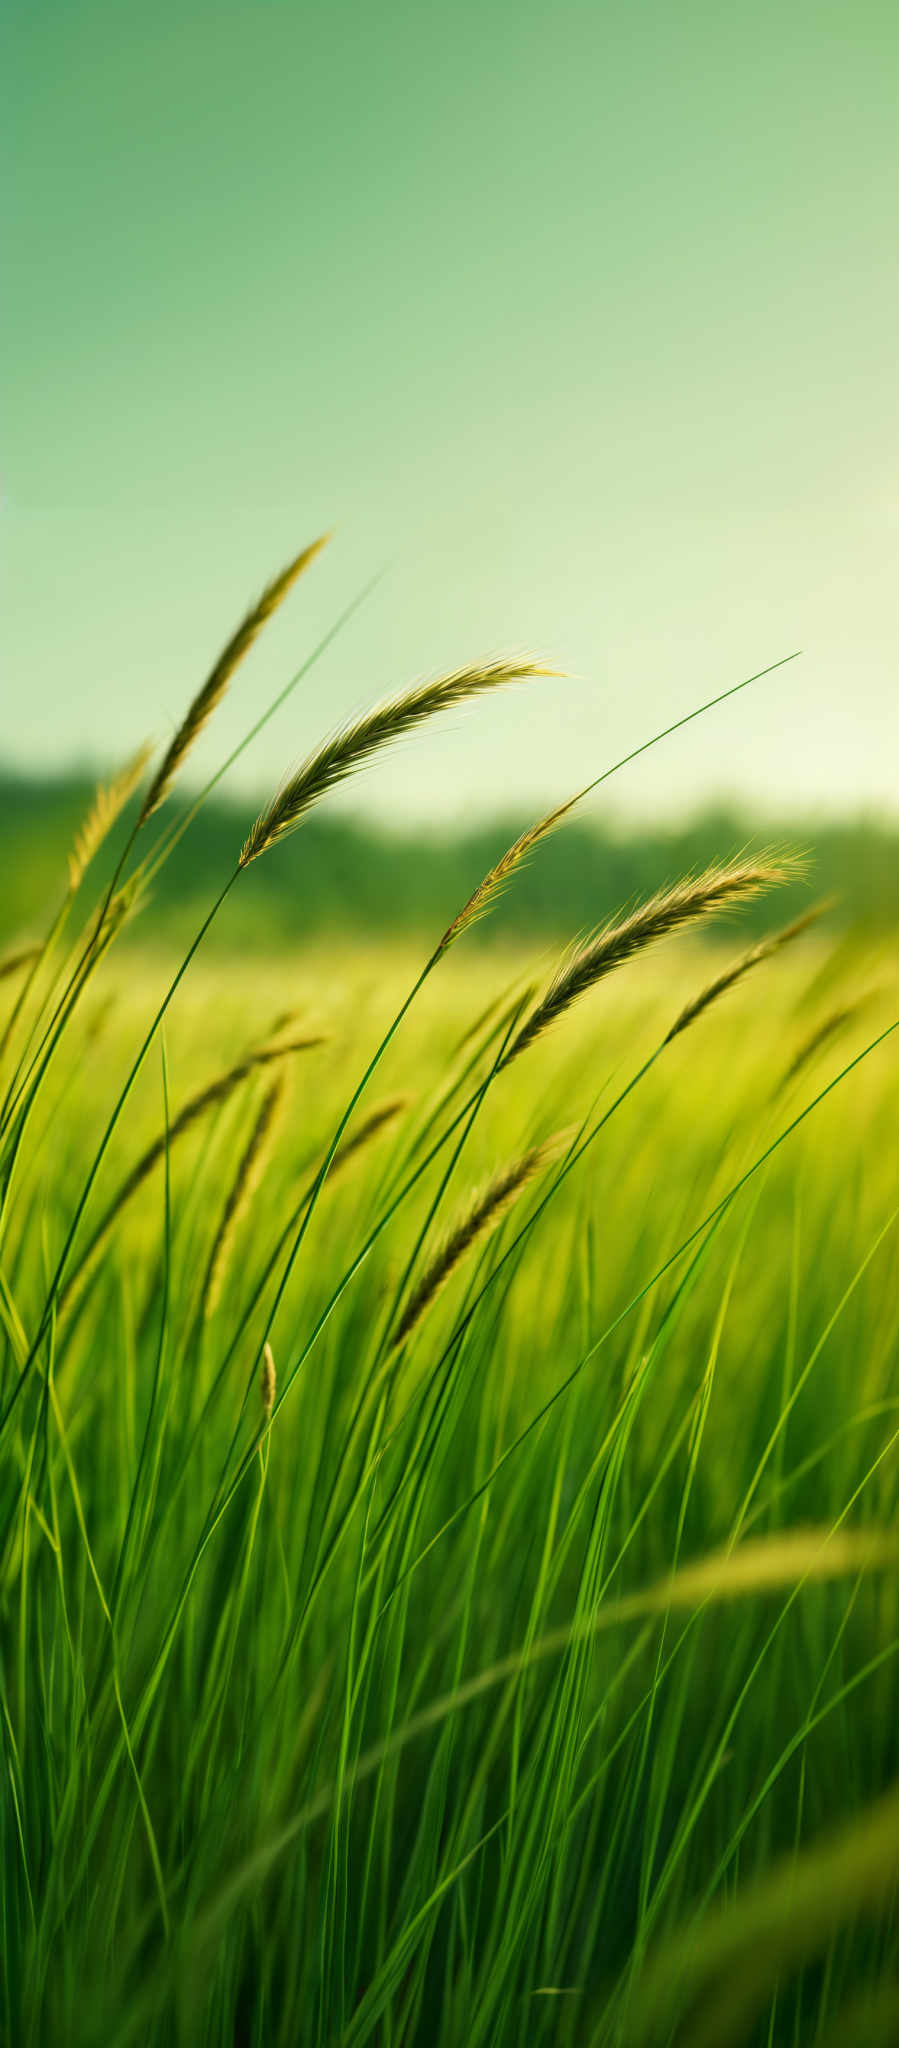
(449,1570)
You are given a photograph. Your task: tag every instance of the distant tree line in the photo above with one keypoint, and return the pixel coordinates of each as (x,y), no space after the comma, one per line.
(343,876)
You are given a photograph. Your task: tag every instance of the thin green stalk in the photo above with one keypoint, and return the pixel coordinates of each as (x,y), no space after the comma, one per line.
(101,1152)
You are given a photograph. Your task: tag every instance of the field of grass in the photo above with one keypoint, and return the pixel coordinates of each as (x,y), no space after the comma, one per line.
(448,1533)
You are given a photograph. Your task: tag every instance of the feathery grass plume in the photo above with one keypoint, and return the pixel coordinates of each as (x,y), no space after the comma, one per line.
(268,1380)
(731,975)
(209,697)
(482,1216)
(829,1028)
(249,1174)
(215,1093)
(353,745)
(109,802)
(684,903)
(24,955)
(495,881)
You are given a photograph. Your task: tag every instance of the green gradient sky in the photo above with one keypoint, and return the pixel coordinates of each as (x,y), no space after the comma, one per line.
(582,318)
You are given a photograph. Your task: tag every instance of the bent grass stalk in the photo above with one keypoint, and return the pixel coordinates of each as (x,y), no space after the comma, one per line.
(153,1677)
(168,841)
(496,878)
(212,1096)
(219,1507)
(686,902)
(801,1556)
(200,712)
(668,911)
(708,996)
(354,745)
(381,1364)
(731,976)
(250,1170)
(208,698)
(499,876)
(666,730)
(62,1261)
(660,1271)
(350,749)
(109,802)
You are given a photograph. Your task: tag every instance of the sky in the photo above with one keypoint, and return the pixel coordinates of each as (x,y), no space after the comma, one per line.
(577,323)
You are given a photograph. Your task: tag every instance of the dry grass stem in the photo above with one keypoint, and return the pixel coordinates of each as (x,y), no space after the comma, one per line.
(209,697)
(483,1215)
(354,744)
(687,902)
(732,975)
(250,1170)
(109,802)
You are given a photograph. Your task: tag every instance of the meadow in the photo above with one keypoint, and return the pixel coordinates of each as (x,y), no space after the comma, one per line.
(450,1457)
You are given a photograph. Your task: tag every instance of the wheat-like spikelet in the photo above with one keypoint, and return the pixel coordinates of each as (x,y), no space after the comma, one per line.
(379,1117)
(268,1380)
(280,1023)
(354,744)
(243,1187)
(215,1093)
(126,902)
(685,902)
(497,878)
(22,957)
(731,975)
(109,802)
(829,1028)
(209,697)
(495,881)
(483,1215)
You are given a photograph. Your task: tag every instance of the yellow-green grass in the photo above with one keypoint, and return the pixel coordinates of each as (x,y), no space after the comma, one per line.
(449,1554)
(417,1752)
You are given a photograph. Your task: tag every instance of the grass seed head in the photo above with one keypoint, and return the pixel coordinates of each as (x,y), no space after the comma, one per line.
(216,1092)
(109,801)
(495,881)
(250,1170)
(483,1215)
(268,1381)
(694,899)
(209,697)
(22,957)
(353,745)
(735,973)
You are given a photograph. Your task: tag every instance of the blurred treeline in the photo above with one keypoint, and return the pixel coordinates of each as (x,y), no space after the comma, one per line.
(349,878)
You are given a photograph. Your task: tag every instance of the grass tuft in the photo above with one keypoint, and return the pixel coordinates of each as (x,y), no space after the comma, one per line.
(540,1684)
